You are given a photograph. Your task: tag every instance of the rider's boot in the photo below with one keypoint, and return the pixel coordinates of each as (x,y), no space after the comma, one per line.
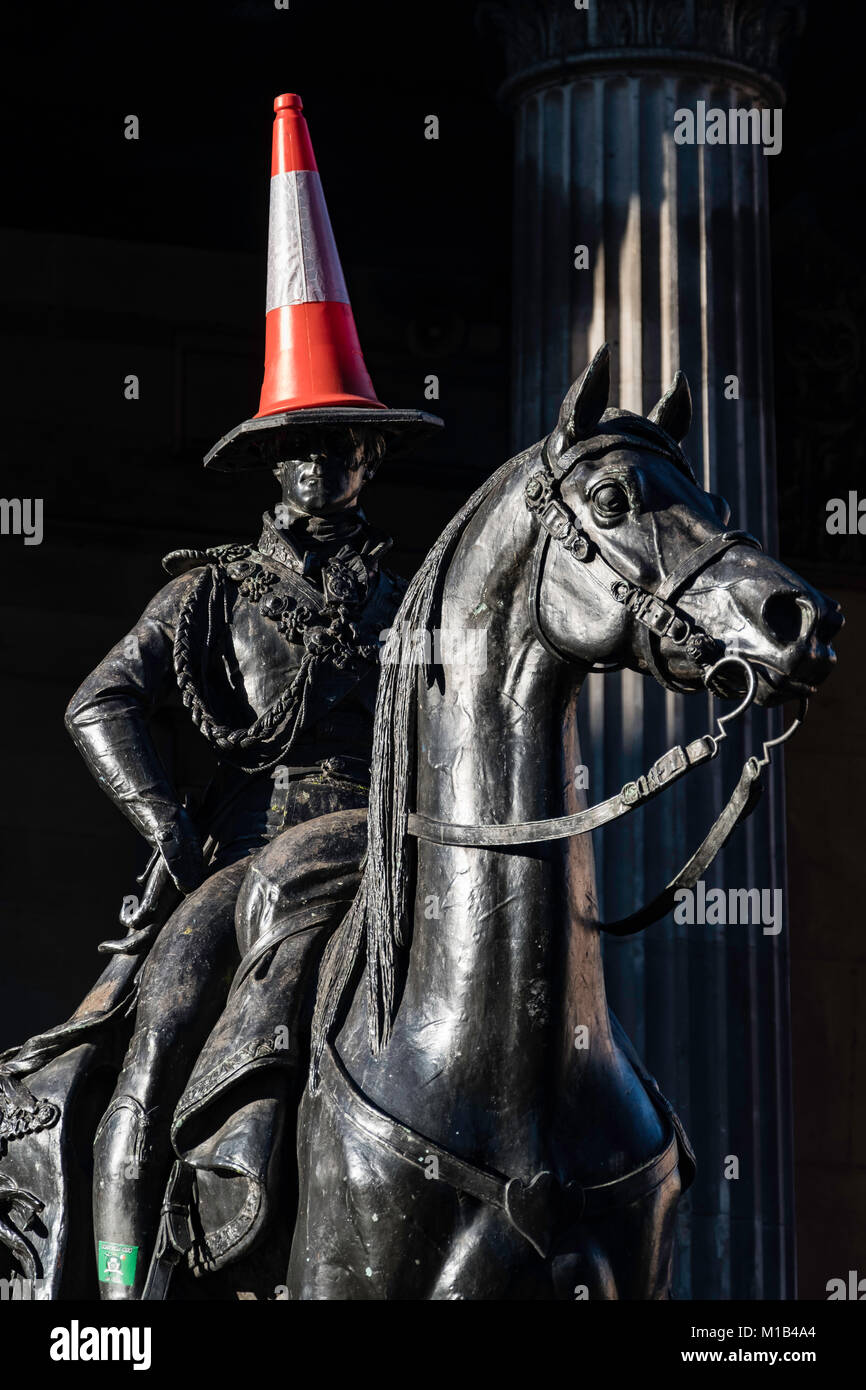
(132,1158)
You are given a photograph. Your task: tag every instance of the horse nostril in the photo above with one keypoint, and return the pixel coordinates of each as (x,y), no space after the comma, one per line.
(829,623)
(784,615)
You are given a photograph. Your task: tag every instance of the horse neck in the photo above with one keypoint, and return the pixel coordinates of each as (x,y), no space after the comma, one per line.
(504,706)
(512,937)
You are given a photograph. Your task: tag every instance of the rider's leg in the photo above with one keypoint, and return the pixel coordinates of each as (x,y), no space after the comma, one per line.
(235,1124)
(296,891)
(183,988)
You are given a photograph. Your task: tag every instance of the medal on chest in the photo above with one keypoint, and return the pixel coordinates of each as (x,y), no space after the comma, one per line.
(325,625)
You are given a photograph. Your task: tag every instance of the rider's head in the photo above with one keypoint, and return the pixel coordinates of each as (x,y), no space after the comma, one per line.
(327,474)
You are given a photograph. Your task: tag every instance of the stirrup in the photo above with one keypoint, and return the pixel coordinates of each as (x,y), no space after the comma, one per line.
(174,1238)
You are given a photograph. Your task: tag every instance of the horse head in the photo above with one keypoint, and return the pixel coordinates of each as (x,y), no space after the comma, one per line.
(637,566)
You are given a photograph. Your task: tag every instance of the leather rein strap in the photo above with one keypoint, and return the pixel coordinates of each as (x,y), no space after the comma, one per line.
(656,617)
(663,773)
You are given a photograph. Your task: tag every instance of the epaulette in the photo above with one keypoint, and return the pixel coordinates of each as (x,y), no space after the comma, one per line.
(180,561)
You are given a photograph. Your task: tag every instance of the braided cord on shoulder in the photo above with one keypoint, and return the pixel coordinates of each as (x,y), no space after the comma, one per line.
(259,737)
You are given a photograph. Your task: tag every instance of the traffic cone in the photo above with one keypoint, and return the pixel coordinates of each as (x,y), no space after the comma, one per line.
(315,374)
(312,353)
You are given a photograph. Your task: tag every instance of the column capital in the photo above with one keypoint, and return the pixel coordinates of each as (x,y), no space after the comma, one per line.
(548,42)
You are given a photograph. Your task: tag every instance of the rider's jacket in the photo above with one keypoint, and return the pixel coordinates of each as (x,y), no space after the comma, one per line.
(255,665)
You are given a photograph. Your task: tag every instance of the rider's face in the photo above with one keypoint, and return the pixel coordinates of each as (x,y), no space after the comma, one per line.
(322,480)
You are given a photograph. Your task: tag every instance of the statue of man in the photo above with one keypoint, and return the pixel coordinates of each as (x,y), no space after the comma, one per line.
(277,642)
(261,661)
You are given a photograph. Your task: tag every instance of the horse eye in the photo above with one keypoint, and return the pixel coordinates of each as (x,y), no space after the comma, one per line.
(611,499)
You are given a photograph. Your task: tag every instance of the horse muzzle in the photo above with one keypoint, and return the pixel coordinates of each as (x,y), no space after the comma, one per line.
(769,616)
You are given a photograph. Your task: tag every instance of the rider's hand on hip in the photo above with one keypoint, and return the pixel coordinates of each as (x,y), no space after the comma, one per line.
(180,848)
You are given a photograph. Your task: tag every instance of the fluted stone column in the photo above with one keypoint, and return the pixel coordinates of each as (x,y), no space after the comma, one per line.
(678,276)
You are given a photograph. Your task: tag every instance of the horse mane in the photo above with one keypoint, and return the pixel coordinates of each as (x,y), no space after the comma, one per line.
(377,922)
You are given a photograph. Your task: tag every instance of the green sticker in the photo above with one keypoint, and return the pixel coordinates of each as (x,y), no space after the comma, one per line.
(116,1263)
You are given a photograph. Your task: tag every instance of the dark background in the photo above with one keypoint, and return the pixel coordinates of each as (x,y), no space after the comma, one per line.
(148,257)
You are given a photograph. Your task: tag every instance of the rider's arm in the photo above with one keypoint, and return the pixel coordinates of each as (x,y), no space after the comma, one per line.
(108,718)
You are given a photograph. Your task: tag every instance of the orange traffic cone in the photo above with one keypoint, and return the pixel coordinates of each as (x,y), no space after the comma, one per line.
(312,353)
(315,374)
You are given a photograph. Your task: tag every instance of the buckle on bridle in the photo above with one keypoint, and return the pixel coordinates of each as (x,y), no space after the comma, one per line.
(667,766)
(663,770)
(657,615)
(557,522)
(667,769)
(633,792)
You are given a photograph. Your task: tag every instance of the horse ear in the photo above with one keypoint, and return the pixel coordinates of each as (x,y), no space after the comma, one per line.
(585,403)
(721,507)
(674,411)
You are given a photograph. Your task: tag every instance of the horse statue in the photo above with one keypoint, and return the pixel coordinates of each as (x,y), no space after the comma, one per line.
(477,1125)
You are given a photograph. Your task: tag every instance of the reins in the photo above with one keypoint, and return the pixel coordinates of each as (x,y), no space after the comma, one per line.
(666,770)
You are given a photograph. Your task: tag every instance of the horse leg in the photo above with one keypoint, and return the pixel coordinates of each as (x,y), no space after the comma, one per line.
(622,1254)
(370,1225)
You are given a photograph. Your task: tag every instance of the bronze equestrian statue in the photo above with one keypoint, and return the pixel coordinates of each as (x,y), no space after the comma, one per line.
(427,981)
(454,1141)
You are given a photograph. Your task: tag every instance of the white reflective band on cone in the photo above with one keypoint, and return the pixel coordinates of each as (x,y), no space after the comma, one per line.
(303,265)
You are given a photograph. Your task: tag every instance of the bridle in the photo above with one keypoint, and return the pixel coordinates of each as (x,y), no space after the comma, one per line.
(656,616)
(655,612)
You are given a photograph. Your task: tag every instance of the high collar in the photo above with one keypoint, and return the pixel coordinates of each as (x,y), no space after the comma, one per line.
(311,539)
